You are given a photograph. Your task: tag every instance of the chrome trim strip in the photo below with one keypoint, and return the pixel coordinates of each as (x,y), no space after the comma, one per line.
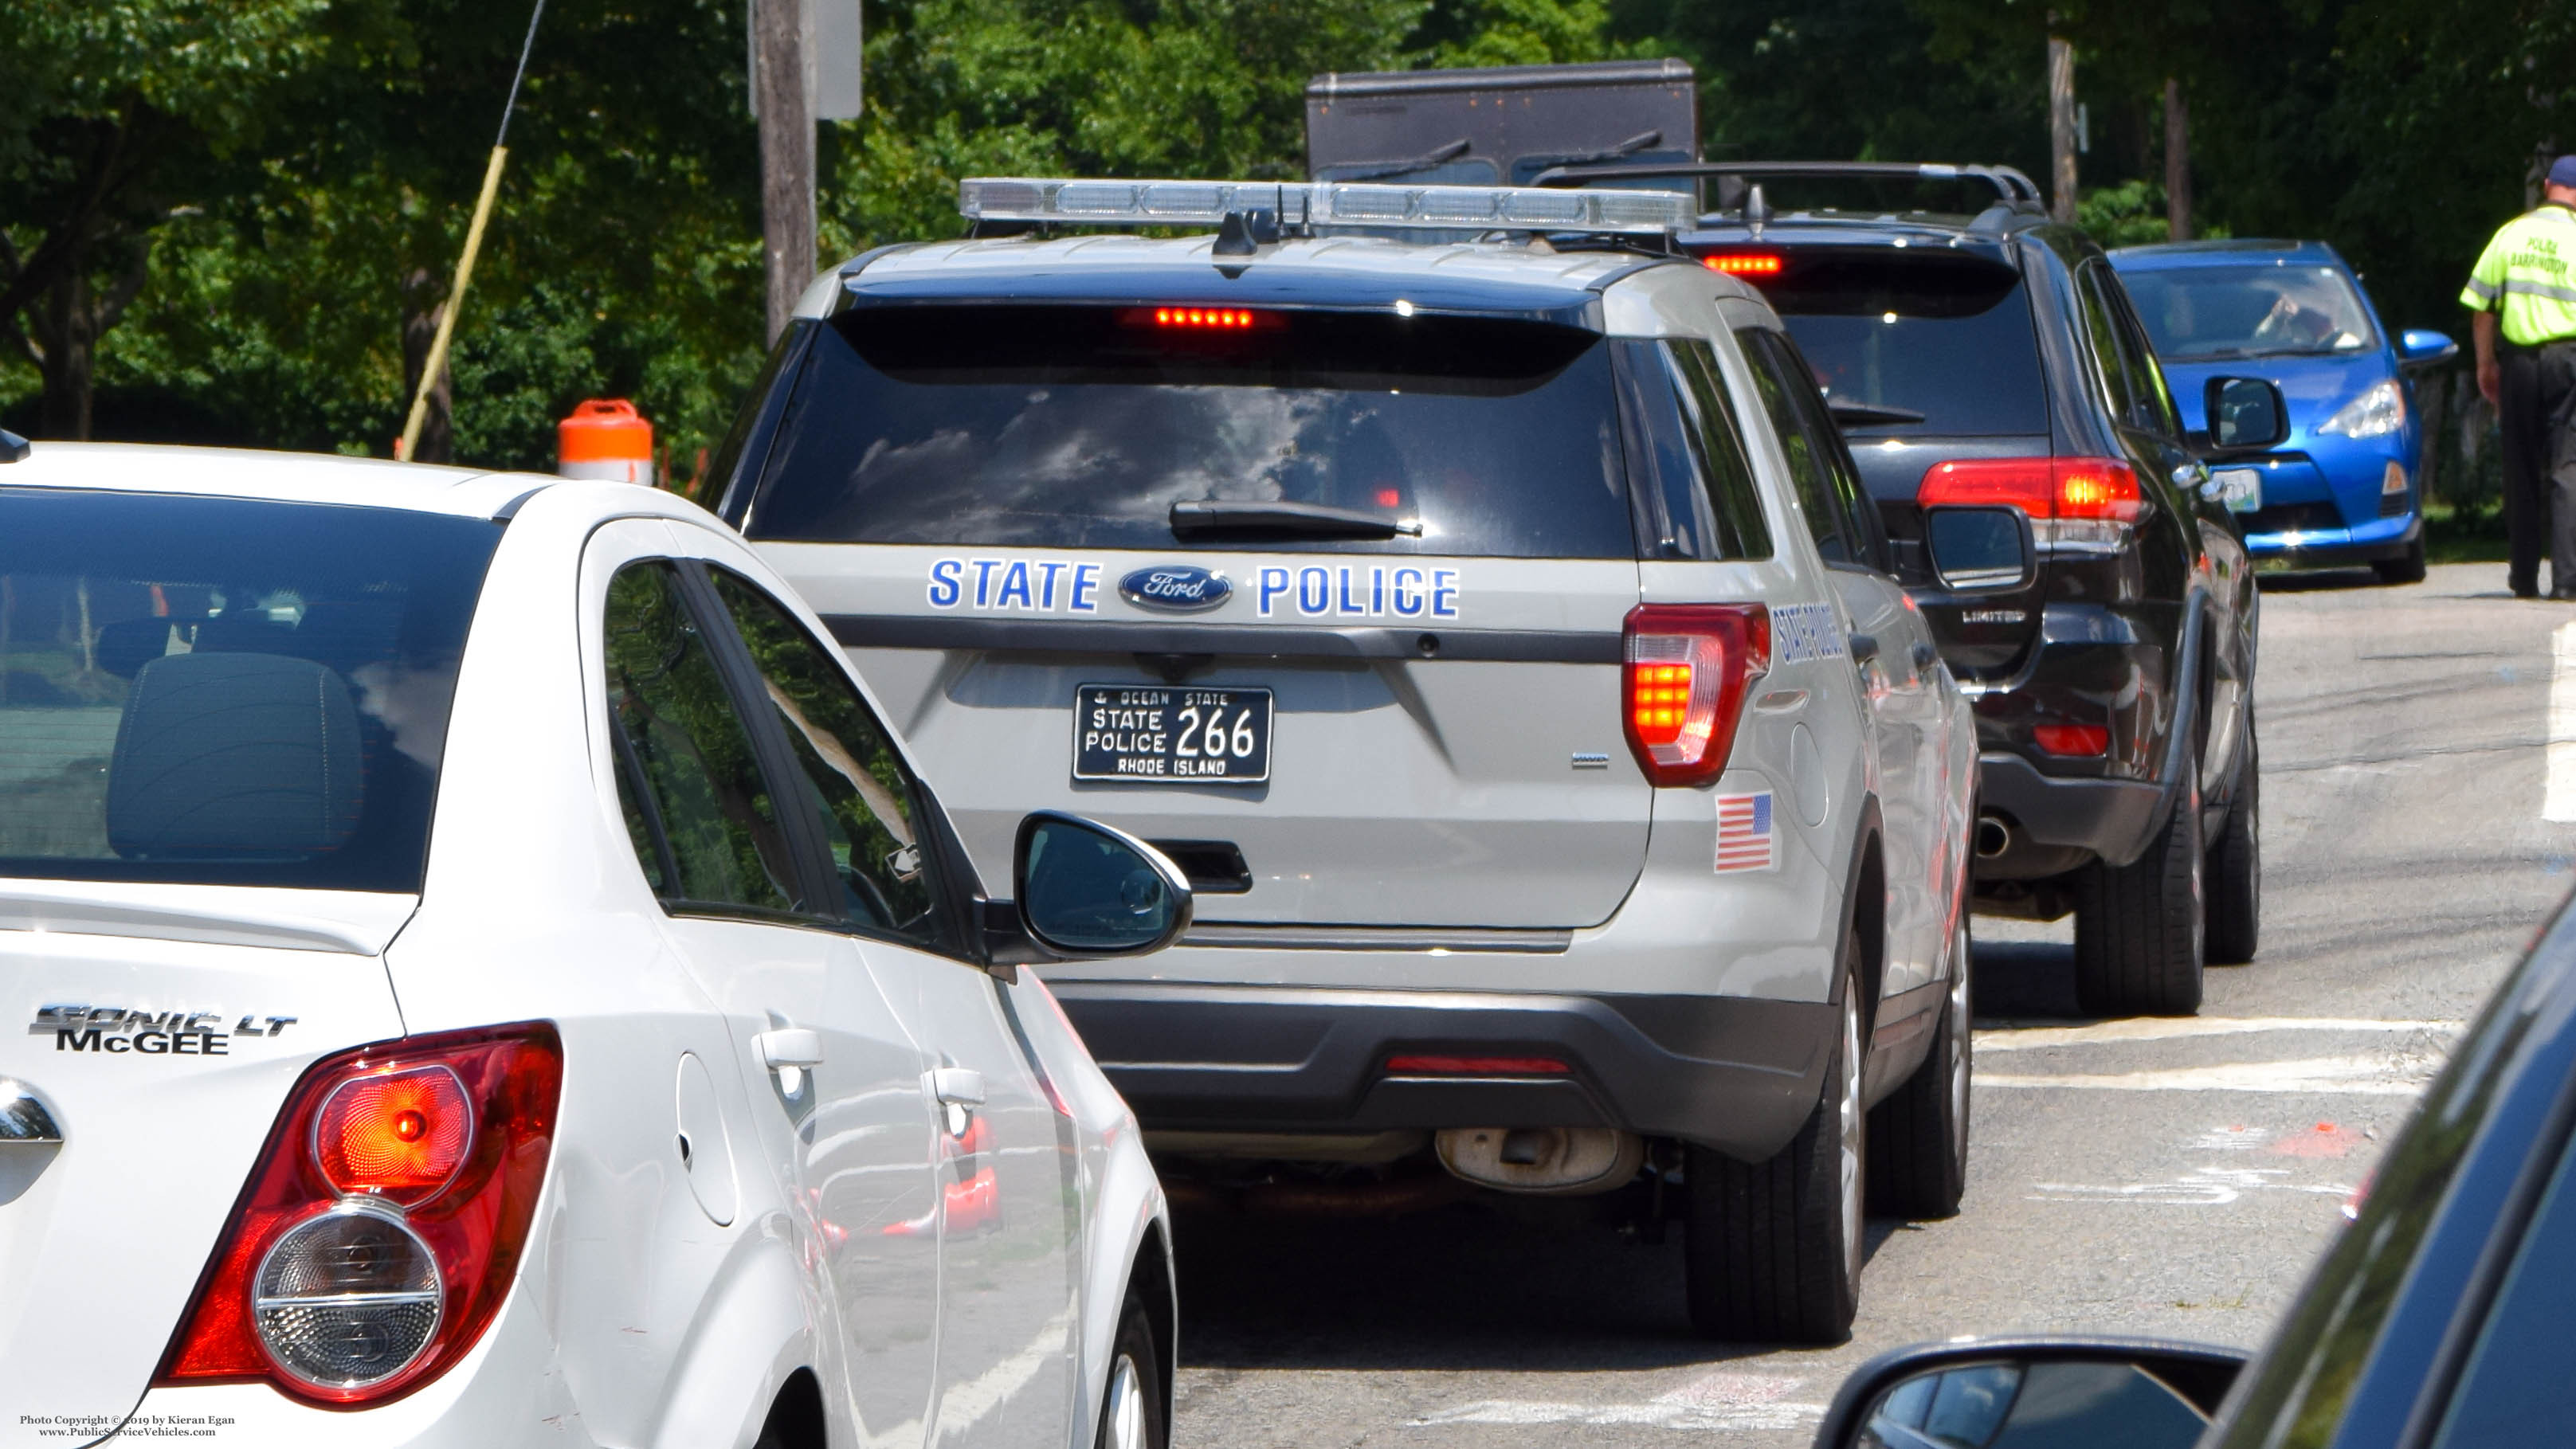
(1377,938)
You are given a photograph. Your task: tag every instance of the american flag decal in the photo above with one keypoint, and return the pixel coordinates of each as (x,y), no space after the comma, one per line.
(1744,838)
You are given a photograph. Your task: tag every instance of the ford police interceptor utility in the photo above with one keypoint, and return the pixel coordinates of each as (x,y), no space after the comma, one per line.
(484,975)
(1492,628)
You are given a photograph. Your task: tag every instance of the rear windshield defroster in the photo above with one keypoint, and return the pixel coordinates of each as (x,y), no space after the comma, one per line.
(1082,427)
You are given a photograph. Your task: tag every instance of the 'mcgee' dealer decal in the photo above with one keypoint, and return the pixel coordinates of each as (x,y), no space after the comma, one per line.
(121,1031)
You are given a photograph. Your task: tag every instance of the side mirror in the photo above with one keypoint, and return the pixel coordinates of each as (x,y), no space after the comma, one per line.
(2418,347)
(2245,412)
(1087,890)
(2071,1393)
(1979,550)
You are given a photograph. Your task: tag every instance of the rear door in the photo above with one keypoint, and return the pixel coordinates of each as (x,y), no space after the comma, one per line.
(835,1078)
(1009,1210)
(136,1032)
(1905,702)
(1425,632)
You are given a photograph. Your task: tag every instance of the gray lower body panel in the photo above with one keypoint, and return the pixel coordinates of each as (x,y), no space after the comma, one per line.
(1739,1074)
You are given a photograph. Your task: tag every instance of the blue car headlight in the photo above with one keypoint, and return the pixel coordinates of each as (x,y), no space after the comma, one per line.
(2379,411)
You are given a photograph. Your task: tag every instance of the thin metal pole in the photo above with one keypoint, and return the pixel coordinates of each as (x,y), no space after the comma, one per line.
(437,359)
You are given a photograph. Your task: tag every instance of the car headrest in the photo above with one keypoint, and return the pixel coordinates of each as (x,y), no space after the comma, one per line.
(234,756)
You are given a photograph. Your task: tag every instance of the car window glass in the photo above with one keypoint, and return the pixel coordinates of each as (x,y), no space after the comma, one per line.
(1662,460)
(2102,336)
(1828,492)
(1869,536)
(870,804)
(688,774)
(1804,469)
(2514,1390)
(2155,409)
(2201,314)
(1081,427)
(227,691)
(1716,447)
(1933,331)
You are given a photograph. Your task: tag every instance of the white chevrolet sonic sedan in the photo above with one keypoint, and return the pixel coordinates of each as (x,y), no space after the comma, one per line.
(488,975)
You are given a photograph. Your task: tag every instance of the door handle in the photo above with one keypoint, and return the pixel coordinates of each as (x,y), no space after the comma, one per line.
(789,1046)
(958,1086)
(1864,648)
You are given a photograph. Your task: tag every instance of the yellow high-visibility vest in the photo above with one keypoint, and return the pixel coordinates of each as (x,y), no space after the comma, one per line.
(2528,275)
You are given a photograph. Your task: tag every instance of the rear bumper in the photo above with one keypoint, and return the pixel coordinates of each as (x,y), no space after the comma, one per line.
(1738,1074)
(2108,818)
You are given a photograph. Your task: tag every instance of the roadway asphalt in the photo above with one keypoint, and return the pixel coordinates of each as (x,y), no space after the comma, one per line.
(2165,1177)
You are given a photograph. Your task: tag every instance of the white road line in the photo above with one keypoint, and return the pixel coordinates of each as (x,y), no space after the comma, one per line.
(1720,1400)
(2202,1187)
(2362,1076)
(2167,1029)
(2560,801)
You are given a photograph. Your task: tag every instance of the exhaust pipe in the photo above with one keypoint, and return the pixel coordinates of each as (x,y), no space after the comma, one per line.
(1994,837)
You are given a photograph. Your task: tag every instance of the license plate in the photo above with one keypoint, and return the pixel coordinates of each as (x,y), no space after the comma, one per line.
(2241,489)
(1170,735)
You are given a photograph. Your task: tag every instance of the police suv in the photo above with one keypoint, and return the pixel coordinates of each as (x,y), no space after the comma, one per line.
(1477,601)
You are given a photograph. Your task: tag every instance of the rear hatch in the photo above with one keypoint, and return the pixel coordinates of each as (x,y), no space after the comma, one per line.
(160,1028)
(1411,531)
(1928,354)
(219,737)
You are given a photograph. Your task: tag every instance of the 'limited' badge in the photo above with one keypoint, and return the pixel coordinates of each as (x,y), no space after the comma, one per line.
(1180,588)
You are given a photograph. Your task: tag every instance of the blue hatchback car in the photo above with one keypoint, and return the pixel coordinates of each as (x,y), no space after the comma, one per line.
(2343,487)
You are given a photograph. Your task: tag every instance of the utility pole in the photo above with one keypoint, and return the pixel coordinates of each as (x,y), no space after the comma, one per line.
(2177,163)
(805,67)
(779,99)
(2061,125)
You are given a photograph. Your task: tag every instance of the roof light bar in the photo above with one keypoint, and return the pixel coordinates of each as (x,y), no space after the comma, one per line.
(1324,203)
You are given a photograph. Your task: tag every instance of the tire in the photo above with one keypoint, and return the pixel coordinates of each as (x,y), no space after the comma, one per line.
(2138,927)
(1918,1138)
(2235,880)
(2406,570)
(1773,1249)
(1131,1403)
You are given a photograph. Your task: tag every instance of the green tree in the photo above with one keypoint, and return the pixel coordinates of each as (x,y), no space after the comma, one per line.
(115,120)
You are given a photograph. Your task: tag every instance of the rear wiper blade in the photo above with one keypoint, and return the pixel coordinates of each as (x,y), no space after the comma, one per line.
(1309,520)
(1862,415)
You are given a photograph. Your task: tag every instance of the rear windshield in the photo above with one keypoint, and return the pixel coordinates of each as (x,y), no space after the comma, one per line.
(226,692)
(1083,426)
(2201,314)
(1948,337)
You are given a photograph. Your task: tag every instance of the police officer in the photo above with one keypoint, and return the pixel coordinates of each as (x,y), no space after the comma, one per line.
(2525,287)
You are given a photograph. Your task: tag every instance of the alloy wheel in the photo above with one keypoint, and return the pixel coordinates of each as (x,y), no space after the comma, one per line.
(1122,1412)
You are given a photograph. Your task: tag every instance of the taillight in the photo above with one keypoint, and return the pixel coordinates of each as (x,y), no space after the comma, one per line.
(1453,1066)
(2072,739)
(2072,502)
(383,1222)
(1689,666)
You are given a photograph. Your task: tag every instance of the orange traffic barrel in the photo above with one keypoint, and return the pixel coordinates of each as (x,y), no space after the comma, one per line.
(605,438)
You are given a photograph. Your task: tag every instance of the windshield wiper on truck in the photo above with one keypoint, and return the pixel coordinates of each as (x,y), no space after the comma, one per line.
(1301,520)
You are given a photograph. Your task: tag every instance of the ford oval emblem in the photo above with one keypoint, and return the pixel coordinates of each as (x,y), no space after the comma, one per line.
(1180,588)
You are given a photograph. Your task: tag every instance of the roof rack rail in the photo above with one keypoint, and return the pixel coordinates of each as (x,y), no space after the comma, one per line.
(1307,205)
(2016,189)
